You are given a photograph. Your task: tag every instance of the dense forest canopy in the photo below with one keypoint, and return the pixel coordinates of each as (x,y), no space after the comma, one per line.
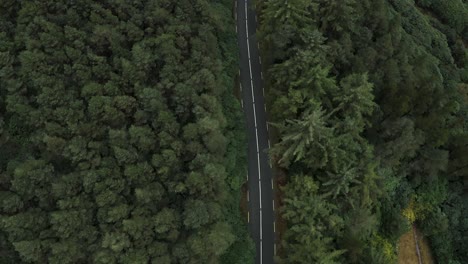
(370,99)
(121,141)
(120,137)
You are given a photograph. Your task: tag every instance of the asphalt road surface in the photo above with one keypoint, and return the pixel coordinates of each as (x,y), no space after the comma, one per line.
(261,215)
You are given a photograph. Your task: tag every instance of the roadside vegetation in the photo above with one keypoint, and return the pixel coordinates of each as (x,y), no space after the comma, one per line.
(371,102)
(120,138)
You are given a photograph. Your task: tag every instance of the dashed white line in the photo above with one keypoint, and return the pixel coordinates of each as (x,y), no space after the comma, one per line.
(269,146)
(248,196)
(274,227)
(248,217)
(273,188)
(273,200)
(261,75)
(260,59)
(264,106)
(242,103)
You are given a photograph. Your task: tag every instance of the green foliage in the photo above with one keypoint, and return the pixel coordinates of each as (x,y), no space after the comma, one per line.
(311,221)
(369,100)
(304,136)
(119,133)
(454,12)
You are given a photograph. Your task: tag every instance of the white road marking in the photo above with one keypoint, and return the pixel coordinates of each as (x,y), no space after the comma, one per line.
(263,91)
(248,217)
(274,227)
(269,143)
(240,86)
(261,233)
(264,106)
(261,75)
(261,251)
(255,116)
(253,96)
(248,196)
(236,26)
(256,131)
(273,200)
(261,238)
(274,249)
(258,45)
(256,138)
(251,85)
(242,103)
(260,190)
(260,59)
(273,188)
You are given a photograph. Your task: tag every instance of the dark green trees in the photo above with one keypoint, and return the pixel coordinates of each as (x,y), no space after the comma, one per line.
(370,102)
(118,140)
(312,224)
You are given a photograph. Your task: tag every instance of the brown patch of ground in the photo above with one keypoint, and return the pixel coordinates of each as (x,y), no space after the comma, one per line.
(425,249)
(407,249)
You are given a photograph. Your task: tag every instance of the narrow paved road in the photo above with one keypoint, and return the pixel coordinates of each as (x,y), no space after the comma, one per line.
(260,177)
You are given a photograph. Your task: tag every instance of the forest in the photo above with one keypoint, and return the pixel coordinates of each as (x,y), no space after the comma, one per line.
(370,101)
(120,139)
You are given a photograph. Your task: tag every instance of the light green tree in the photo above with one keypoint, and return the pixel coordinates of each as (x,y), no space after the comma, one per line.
(303,136)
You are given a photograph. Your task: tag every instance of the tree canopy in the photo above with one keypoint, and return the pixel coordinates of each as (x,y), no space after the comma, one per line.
(120,137)
(369,100)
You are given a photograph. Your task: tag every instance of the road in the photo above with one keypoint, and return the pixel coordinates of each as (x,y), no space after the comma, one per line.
(261,215)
